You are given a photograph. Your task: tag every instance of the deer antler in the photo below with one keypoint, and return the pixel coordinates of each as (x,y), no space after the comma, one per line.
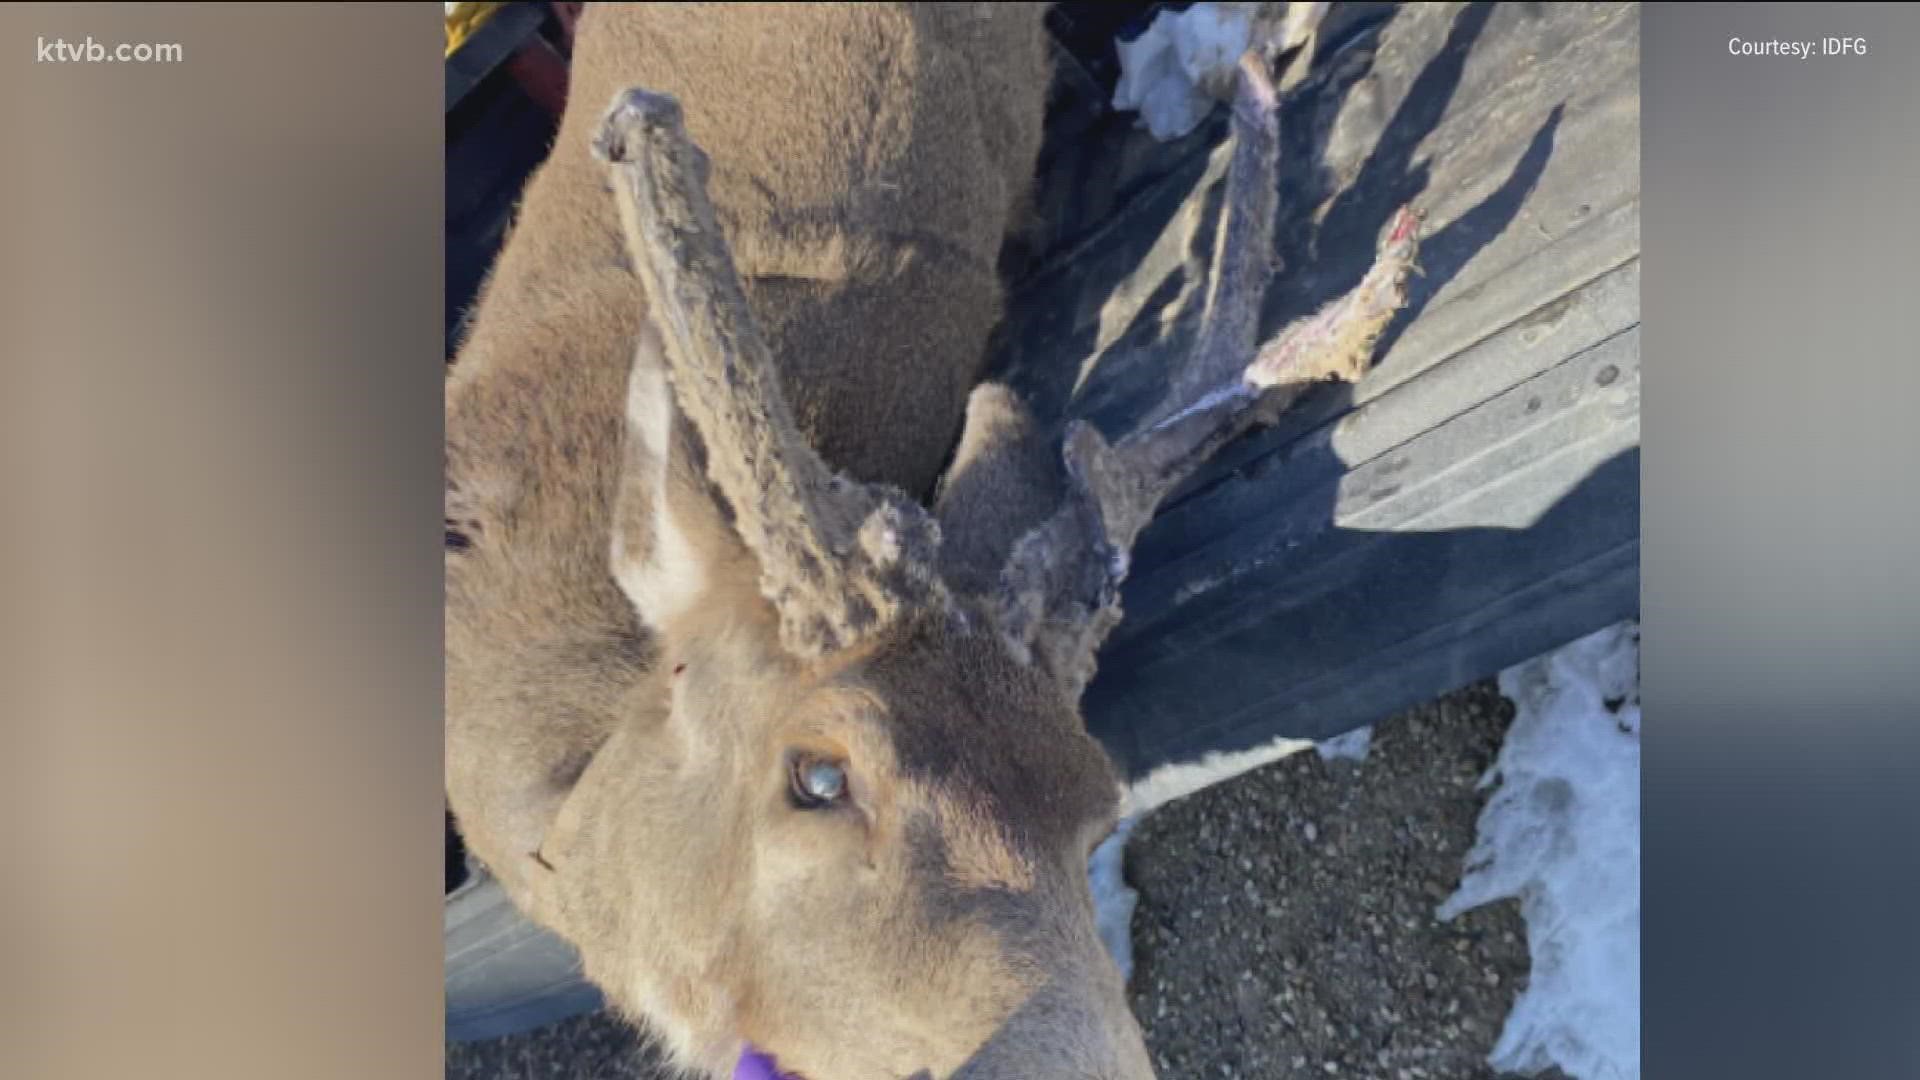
(838,558)
(1060,588)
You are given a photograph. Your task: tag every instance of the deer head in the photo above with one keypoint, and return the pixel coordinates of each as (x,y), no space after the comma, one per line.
(851,826)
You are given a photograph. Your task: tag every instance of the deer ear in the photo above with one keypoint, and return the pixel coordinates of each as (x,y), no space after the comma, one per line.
(665,527)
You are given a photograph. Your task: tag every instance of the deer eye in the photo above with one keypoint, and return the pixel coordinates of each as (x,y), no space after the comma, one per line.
(816,782)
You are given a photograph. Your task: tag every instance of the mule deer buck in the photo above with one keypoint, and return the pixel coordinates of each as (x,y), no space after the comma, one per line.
(778,732)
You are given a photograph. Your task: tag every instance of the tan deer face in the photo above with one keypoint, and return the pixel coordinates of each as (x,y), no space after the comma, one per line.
(871,866)
(867,859)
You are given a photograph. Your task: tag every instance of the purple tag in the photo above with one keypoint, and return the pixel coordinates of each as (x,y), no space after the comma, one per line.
(755,1066)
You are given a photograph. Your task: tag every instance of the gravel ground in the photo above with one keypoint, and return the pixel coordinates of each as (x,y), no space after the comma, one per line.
(1285,927)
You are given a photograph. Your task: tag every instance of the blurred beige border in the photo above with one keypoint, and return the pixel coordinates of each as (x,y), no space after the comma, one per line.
(221,604)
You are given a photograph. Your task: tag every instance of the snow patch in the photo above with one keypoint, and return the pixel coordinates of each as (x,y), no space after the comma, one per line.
(1562,834)
(1352,746)
(1113,900)
(1173,74)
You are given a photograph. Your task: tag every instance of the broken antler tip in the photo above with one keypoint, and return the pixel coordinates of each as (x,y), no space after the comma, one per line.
(632,116)
(1256,100)
(1256,82)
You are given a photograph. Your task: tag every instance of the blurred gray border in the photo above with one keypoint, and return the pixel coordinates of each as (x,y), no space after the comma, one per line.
(1781,518)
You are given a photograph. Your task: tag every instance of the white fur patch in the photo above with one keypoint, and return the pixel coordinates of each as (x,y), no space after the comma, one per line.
(650,406)
(1170,782)
(672,575)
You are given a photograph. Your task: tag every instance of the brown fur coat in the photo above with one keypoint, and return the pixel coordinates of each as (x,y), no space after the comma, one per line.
(866,161)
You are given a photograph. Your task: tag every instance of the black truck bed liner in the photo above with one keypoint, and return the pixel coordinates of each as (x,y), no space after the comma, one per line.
(1475,499)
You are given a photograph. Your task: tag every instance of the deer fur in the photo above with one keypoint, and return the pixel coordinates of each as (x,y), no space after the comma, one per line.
(700,530)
